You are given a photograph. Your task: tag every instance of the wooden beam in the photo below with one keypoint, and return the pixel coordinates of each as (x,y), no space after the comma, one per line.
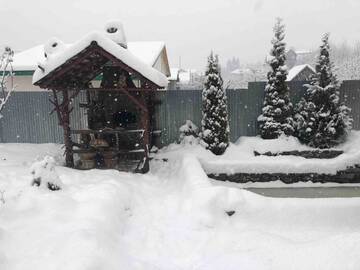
(53,75)
(57,107)
(141,105)
(121,64)
(145,123)
(69,157)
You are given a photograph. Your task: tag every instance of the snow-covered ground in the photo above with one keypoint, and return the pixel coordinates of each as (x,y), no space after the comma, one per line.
(173,218)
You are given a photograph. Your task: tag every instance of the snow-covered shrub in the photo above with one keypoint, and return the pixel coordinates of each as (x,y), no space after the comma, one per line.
(322,120)
(44,174)
(189,133)
(214,124)
(276,117)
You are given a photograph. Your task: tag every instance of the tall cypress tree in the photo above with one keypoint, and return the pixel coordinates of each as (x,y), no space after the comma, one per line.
(322,120)
(276,117)
(215,125)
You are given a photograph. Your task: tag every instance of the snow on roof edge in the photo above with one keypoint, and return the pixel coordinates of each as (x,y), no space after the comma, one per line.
(108,45)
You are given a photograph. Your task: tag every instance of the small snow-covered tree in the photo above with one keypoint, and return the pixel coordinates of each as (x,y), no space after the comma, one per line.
(322,120)
(6,74)
(215,124)
(276,117)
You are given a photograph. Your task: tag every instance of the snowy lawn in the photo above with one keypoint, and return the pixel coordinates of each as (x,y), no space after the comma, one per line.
(173,218)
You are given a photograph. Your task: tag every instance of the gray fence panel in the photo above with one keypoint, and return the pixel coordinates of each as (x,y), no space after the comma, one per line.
(26,116)
(175,107)
(27,119)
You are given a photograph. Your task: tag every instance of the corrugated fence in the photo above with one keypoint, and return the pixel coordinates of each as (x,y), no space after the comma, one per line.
(27,119)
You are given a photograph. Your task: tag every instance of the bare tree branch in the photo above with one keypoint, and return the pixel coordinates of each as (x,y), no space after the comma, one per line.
(7,74)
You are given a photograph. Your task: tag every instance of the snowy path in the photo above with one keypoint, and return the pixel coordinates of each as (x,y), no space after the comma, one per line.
(173,218)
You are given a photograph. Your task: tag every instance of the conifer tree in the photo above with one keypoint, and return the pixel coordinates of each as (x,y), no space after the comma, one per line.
(276,117)
(322,120)
(215,125)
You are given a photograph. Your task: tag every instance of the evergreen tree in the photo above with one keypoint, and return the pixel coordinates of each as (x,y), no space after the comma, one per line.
(322,121)
(276,117)
(215,125)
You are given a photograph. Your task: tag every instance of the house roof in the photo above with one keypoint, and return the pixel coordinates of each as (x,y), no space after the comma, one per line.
(126,56)
(297,70)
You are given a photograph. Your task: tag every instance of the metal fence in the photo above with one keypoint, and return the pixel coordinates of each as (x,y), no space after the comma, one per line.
(26,116)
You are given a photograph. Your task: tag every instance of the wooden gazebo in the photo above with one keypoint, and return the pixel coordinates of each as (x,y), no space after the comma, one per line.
(118,89)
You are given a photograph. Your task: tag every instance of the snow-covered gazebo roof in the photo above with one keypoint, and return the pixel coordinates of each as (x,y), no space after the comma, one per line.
(65,53)
(147,51)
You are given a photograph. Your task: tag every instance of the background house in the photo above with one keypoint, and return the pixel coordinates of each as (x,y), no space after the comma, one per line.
(301,73)
(185,79)
(299,57)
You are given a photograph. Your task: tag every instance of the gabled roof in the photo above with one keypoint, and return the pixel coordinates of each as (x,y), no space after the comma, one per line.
(124,55)
(147,51)
(297,70)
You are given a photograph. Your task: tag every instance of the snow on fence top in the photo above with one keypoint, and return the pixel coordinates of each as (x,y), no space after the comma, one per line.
(126,56)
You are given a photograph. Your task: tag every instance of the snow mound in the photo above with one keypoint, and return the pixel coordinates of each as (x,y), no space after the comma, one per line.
(206,203)
(53,46)
(115,31)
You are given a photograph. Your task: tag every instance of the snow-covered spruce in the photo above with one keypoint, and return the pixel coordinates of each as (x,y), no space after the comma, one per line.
(276,117)
(322,121)
(215,125)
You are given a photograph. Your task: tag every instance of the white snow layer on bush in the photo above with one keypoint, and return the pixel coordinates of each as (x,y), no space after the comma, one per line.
(240,158)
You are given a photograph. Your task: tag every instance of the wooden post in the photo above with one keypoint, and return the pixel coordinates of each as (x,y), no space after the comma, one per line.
(69,158)
(145,122)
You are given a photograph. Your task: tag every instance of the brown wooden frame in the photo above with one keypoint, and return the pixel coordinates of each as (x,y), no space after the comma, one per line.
(55,81)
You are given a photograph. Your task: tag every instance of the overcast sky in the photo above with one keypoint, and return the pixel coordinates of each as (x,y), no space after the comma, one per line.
(190,28)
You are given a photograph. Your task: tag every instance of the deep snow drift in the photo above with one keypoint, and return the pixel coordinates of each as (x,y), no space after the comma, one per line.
(172,218)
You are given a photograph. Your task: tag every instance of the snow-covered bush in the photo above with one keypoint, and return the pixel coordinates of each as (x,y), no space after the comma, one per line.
(322,120)
(44,174)
(189,133)
(276,117)
(215,124)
